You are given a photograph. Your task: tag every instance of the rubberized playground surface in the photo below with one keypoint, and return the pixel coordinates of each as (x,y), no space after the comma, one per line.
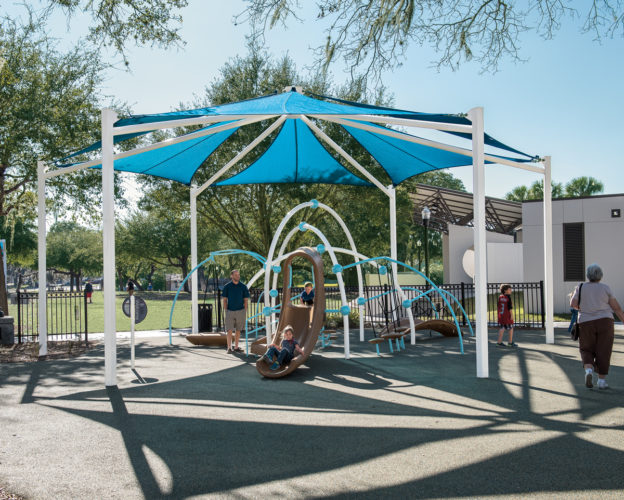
(197,422)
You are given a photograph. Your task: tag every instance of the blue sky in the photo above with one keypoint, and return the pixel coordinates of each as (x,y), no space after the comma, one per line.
(566,101)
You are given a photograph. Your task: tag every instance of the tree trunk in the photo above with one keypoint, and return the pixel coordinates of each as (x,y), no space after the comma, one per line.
(150,276)
(184,268)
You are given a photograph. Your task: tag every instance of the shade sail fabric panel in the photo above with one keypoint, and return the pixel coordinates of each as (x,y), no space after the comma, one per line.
(177,162)
(288,103)
(445,118)
(431,117)
(295,156)
(98,145)
(402,159)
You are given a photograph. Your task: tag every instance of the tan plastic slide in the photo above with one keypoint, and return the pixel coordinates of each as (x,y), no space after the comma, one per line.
(446,328)
(306,321)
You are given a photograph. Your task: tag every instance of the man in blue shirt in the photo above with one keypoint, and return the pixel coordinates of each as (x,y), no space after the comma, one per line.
(235,295)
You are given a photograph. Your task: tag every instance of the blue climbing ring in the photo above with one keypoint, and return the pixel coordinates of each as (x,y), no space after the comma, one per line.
(267,311)
(361,301)
(407,303)
(273,293)
(383,270)
(302,227)
(276,269)
(314,203)
(336,268)
(345,310)
(320,248)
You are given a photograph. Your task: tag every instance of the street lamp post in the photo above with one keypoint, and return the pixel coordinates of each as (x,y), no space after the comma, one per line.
(426,215)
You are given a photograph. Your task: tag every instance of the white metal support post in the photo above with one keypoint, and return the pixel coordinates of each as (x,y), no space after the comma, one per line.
(132,322)
(548,261)
(108,235)
(393,255)
(43,286)
(194,282)
(393,245)
(480,245)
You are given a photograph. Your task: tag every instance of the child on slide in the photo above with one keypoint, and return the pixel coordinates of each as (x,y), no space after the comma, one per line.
(285,352)
(307,296)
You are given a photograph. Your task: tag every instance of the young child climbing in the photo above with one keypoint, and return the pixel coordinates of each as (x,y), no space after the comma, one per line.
(505,315)
(307,296)
(284,352)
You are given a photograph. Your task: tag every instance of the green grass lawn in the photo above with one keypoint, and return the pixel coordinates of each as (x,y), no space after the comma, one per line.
(158,310)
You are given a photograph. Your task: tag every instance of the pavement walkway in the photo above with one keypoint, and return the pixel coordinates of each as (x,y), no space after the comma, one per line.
(195,422)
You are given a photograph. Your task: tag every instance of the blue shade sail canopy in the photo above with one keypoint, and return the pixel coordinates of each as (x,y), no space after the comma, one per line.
(402,159)
(295,156)
(177,162)
(289,103)
(295,103)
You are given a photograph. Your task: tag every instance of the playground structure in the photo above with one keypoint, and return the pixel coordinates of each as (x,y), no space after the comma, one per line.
(400,154)
(306,321)
(307,329)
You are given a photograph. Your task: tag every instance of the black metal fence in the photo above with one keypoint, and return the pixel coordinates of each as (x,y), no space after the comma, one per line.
(66,316)
(384,306)
(527,298)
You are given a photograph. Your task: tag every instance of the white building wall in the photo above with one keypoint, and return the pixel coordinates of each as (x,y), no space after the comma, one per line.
(461,238)
(505,262)
(604,242)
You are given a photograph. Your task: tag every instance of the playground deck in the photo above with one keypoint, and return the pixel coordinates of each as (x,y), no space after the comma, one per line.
(197,422)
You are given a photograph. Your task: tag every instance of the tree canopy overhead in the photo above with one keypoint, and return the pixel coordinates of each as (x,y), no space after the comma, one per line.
(373,35)
(49,105)
(119,23)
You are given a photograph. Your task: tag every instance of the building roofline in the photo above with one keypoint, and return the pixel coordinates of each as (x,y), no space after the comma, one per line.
(579,197)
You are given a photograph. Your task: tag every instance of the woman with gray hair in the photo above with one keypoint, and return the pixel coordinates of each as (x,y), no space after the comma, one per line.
(596,308)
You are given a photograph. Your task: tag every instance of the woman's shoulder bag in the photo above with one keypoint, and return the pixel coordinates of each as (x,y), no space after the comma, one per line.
(576,329)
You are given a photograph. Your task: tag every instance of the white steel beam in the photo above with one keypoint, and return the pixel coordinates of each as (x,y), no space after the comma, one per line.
(548,257)
(405,122)
(480,245)
(242,154)
(157,145)
(434,144)
(394,267)
(182,122)
(108,221)
(322,135)
(194,282)
(41,248)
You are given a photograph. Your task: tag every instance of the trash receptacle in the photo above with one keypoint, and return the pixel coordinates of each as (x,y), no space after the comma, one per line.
(205,318)
(7,336)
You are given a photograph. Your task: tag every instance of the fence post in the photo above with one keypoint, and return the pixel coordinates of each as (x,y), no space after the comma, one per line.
(218,308)
(86,320)
(385,289)
(463,302)
(542,303)
(19,318)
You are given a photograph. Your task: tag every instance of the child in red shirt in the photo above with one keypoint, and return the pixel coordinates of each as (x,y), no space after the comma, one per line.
(505,316)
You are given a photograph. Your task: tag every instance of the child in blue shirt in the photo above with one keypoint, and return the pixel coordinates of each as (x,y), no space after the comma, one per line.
(307,296)
(284,352)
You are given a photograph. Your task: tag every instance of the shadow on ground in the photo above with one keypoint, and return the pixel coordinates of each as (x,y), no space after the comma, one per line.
(208,455)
